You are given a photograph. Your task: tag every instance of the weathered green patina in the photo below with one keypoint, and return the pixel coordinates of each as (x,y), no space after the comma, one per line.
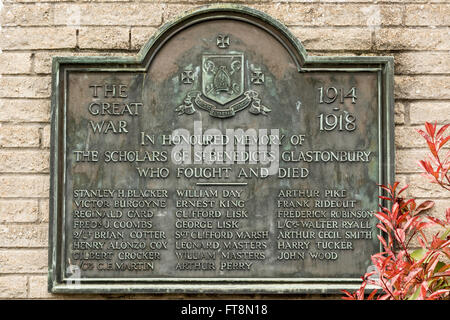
(225,67)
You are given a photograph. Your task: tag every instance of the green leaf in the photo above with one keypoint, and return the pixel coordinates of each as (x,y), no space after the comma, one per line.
(445,234)
(439,265)
(418,254)
(416,294)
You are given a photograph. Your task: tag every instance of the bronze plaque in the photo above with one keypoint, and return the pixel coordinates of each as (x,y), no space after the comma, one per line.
(221,159)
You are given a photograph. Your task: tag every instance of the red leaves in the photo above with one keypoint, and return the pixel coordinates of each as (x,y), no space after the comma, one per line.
(437,167)
(423,290)
(359,294)
(426,205)
(437,294)
(438,221)
(401,272)
(400,235)
(441,132)
(348,295)
(447,215)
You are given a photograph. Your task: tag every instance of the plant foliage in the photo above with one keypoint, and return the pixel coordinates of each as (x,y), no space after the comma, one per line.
(402,273)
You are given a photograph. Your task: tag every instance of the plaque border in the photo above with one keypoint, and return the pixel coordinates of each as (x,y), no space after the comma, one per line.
(382,65)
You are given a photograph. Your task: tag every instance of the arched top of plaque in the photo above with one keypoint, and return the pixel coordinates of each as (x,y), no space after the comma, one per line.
(230,12)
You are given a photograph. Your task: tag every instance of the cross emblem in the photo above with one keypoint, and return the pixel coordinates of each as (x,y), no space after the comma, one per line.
(187,77)
(223,41)
(257,77)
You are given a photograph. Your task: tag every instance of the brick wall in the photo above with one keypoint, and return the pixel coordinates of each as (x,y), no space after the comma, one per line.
(416,33)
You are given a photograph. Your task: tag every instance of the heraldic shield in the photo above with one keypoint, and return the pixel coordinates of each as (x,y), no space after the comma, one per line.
(222,77)
(223,91)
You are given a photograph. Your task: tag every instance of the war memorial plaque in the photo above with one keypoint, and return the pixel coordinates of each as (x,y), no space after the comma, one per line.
(222,158)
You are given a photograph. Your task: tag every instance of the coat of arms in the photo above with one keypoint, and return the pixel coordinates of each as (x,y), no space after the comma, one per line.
(223,85)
